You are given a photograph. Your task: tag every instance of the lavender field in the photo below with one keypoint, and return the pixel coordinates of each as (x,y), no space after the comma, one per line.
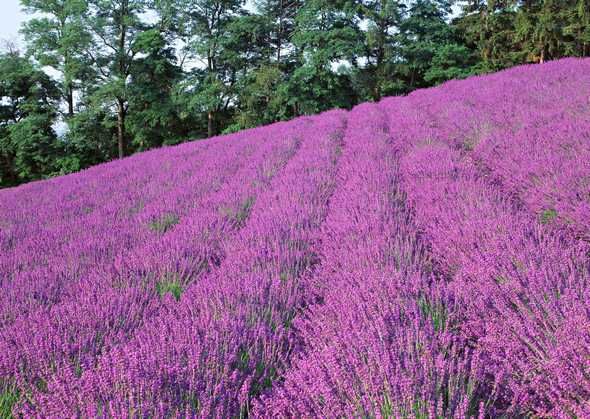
(427,256)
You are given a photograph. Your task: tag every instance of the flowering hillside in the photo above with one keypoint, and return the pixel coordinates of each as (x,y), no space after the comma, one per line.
(426,256)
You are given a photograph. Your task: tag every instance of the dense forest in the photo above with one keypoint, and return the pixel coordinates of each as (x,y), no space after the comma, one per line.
(102,79)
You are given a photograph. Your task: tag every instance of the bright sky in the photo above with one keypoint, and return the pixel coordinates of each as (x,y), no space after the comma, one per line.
(11,17)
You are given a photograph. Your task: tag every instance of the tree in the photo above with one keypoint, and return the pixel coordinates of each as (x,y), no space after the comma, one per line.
(327,40)
(279,16)
(381,43)
(577,20)
(154,117)
(91,138)
(58,40)
(201,26)
(451,61)
(488,26)
(263,99)
(539,26)
(115,26)
(28,101)
(429,47)
(259,86)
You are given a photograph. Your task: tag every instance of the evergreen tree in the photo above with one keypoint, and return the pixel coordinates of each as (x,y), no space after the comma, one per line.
(328,41)
(383,19)
(489,27)
(260,86)
(430,49)
(279,17)
(154,118)
(577,28)
(539,28)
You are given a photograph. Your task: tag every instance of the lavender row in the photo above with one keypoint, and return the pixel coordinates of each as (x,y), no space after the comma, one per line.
(107,305)
(423,257)
(522,288)
(221,343)
(378,342)
(99,226)
(530,131)
(102,240)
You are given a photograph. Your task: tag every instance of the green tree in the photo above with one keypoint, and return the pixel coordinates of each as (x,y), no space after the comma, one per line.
(91,138)
(279,18)
(201,27)
(154,117)
(381,44)
(451,61)
(28,101)
(327,41)
(263,99)
(429,47)
(115,26)
(58,39)
(577,18)
(259,87)
(488,26)
(539,28)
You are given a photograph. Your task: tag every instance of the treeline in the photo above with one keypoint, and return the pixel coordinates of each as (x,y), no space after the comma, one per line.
(114,77)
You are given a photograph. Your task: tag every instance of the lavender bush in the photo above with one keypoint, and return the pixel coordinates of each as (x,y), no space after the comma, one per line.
(425,256)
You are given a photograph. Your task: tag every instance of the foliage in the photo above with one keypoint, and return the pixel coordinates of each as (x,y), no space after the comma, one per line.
(59,39)
(131,75)
(8,398)
(28,143)
(164,223)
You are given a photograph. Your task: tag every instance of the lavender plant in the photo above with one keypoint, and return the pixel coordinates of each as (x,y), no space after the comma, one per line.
(425,256)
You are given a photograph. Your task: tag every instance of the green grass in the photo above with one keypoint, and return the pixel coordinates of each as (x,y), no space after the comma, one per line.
(548,216)
(469,144)
(8,398)
(388,411)
(501,279)
(294,267)
(238,216)
(436,312)
(170,284)
(165,223)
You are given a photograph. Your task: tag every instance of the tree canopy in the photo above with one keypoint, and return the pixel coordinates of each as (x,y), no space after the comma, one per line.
(101,79)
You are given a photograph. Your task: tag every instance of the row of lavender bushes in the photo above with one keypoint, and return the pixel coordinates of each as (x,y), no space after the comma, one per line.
(426,256)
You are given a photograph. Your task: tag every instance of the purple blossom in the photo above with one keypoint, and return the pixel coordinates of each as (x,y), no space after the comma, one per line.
(425,256)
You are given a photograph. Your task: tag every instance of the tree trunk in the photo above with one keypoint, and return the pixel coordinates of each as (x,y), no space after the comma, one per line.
(279,33)
(210,124)
(121,113)
(70,100)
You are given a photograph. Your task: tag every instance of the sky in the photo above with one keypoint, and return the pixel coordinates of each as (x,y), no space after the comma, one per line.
(11,18)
